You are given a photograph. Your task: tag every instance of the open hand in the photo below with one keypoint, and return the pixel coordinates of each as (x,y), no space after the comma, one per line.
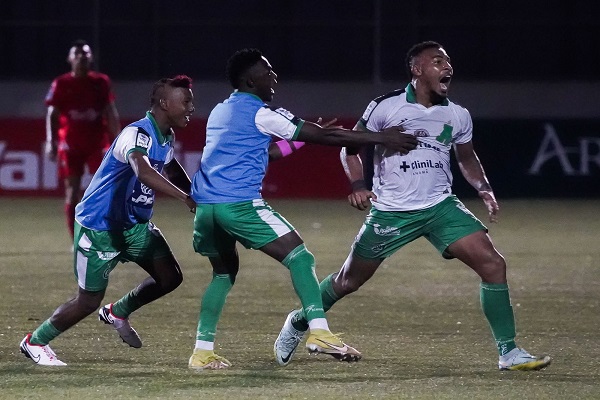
(328,124)
(490,203)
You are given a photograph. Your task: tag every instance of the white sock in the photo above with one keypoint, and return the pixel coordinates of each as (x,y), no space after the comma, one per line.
(318,323)
(204,345)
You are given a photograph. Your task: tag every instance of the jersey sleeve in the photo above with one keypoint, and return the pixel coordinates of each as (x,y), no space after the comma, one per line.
(131,139)
(278,122)
(465,132)
(373,118)
(53,95)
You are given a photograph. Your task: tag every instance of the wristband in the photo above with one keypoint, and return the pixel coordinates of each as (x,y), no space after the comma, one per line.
(358,185)
(286,148)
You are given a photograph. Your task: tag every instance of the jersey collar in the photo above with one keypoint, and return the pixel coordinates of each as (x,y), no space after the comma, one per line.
(411,97)
(238,93)
(161,138)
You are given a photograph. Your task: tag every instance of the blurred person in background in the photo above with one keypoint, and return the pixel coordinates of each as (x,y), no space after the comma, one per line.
(412,197)
(81,122)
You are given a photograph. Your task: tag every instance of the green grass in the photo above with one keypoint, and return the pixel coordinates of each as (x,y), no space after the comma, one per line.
(417,322)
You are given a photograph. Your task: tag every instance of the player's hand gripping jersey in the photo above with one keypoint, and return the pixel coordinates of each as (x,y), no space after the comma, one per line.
(421,178)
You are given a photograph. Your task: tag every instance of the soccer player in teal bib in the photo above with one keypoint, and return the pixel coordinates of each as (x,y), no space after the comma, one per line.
(113,222)
(412,197)
(230,208)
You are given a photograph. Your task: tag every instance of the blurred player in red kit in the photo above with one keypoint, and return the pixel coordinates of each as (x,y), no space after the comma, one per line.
(81,122)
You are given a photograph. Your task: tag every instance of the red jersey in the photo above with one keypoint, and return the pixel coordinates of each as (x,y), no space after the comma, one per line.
(81,102)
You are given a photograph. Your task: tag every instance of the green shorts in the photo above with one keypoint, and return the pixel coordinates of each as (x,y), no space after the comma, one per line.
(98,252)
(253,223)
(385,232)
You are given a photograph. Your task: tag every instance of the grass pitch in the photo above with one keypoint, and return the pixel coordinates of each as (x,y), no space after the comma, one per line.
(417,322)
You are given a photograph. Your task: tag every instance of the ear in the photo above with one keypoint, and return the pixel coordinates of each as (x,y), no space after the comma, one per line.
(163,104)
(416,69)
(249,82)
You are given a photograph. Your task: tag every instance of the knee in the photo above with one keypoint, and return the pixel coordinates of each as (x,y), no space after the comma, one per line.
(88,304)
(346,284)
(494,270)
(172,282)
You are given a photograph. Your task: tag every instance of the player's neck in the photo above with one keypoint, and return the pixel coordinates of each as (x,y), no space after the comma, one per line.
(79,73)
(424,96)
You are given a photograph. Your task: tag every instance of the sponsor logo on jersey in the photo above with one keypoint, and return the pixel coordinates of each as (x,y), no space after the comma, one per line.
(421,133)
(386,231)
(428,146)
(421,167)
(142,140)
(285,113)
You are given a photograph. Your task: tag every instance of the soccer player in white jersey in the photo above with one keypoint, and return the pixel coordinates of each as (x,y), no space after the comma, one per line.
(112,222)
(412,197)
(230,207)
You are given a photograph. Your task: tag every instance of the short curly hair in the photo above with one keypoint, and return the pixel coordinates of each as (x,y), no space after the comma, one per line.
(178,81)
(239,63)
(416,50)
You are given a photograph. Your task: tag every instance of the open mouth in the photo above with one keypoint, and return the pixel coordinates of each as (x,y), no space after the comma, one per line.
(445,81)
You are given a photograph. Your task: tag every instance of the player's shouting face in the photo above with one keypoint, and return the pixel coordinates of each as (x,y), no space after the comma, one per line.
(262,78)
(433,70)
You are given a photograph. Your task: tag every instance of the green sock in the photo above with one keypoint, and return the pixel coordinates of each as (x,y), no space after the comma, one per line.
(212,305)
(328,297)
(127,304)
(301,264)
(44,333)
(495,303)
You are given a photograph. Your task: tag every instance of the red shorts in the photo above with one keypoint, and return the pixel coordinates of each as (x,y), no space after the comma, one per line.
(72,163)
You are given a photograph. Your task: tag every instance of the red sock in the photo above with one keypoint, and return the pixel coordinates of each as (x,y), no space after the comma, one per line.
(70,217)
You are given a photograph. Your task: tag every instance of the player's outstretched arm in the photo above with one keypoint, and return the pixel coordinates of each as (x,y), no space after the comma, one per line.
(393,138)
(284,148)
(154,180)
(472,170)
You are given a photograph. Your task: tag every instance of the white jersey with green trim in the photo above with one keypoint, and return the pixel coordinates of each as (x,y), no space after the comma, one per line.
(421,178)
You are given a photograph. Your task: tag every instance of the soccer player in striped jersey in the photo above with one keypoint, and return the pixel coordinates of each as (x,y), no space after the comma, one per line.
(412,197)
(112,222)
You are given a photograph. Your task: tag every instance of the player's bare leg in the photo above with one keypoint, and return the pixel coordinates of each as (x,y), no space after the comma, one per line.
(165,276)
(72,197)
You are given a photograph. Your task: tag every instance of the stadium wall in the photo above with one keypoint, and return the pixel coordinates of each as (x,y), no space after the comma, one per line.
(534,140)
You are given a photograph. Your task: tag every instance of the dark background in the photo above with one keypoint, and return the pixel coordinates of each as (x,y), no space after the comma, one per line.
(333,40)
